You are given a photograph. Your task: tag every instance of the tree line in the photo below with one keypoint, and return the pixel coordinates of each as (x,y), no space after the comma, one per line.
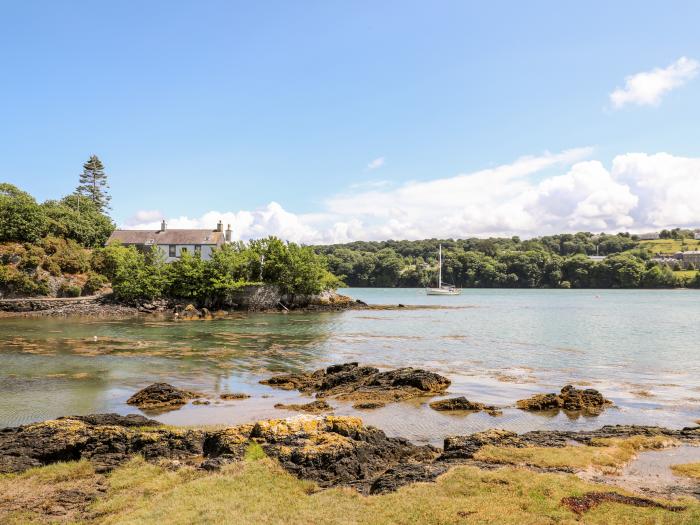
(556,261)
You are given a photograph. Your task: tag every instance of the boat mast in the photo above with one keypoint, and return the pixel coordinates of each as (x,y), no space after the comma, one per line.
(440,266)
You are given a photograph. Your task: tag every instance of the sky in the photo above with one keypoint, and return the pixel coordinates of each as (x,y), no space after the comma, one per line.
(328,121)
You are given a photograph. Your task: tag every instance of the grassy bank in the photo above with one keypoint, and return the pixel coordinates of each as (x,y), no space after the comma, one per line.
(259,491)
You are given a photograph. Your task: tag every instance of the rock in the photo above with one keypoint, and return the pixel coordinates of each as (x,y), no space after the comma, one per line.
(201,402)
(462,403)
(364,384)
(464,447)
(335,450)
(315,407)
(395,477)
(161,396)
(130,420)
(86,437)
(368,405)
(570,398)
(234,395)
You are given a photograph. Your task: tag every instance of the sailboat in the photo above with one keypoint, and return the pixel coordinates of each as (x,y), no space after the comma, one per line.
(442,289)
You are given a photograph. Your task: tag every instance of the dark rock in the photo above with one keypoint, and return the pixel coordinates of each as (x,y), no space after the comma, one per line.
(462,403)
(363,384)
(396,477)
(161,396)
(570,398)
(234,395)
(315,407)
(368,405)
(129,420)
(464,447)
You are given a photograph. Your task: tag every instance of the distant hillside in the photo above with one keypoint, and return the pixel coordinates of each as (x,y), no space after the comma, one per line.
(555,261)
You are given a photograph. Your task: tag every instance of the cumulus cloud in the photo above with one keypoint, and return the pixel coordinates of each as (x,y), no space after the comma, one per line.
(647,88)
(376,163)
(537,195)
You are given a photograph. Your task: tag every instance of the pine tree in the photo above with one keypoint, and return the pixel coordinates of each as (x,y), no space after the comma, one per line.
(93,183)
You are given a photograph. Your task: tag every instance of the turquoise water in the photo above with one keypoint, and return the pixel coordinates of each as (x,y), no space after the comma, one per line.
(640,348)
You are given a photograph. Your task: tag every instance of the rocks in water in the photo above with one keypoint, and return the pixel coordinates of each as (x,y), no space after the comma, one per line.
(234,395)
(352,382)
(201,402)
(462,403)
(190,313)
(315,407)
(570,398)
(368,405)
(161,396)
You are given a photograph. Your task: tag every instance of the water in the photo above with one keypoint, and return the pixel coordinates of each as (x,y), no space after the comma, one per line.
(640,348)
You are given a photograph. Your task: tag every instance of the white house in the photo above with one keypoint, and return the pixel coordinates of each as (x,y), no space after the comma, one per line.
(174,242)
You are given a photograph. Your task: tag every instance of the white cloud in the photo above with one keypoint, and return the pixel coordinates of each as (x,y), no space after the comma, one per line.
(376,163)
(647,88)
(549,193)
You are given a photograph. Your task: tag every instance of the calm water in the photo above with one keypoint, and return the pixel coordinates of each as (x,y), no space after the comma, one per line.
(641,348)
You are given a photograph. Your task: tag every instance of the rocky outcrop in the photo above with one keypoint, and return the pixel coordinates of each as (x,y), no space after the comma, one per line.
(161,396)
(462,403)
(330,450)
(315,407)
(363,384)
(570,398)
(233,395)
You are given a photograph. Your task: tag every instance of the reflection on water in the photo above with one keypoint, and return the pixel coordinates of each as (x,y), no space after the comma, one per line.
(638,347)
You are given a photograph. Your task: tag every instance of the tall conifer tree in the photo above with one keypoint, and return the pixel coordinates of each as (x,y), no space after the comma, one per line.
(93,183)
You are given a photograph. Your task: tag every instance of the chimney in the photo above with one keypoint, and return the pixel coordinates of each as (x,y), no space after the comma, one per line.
(228,233)
(163,226)
(220,226)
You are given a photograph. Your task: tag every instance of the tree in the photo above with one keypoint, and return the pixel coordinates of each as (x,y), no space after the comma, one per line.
(81,221)
(21,218)
(93,183)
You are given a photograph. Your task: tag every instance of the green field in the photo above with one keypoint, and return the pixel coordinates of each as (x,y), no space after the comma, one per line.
(670,245)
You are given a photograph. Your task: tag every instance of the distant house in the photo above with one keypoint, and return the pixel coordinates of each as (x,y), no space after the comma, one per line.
(597,258)
(650,236)
(689,257)
(696,234)
(174,242)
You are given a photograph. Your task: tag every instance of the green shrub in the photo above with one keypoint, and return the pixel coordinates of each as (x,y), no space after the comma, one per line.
(21,218)
(67,254)
(14,282)
(33,257)
(69,290)
(94,283)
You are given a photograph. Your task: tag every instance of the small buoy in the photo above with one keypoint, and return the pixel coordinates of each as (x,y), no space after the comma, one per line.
(94,338)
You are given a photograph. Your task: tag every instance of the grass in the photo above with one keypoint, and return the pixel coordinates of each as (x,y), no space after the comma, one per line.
(605,454)
(259,491)
(670,245)
(685,274)
(688,470)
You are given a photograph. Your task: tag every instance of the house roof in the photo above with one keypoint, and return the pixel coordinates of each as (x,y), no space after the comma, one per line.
(149,237)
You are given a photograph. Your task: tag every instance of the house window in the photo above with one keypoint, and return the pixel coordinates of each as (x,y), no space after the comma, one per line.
(183,250)
(171,251)
(198,249)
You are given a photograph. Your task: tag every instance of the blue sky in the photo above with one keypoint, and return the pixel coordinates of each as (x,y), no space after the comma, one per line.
(270,114)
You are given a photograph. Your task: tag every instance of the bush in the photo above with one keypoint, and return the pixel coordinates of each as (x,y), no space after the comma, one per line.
(21,218)
(69,290)
(135,276)
(16,283)
(94,283)
(67,254)
(77,219)
(32,258)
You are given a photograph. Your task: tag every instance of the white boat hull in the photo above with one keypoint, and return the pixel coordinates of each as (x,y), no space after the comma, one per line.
(443,291)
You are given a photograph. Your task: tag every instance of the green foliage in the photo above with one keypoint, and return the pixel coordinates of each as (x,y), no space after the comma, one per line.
(78,218)
(69,290)
(186,277)
(21,218)
(93,184)
(14,282)
(556,261)
(135,275)
(94,283)
(67,254)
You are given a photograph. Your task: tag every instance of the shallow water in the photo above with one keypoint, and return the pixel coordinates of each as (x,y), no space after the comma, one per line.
(640,348)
